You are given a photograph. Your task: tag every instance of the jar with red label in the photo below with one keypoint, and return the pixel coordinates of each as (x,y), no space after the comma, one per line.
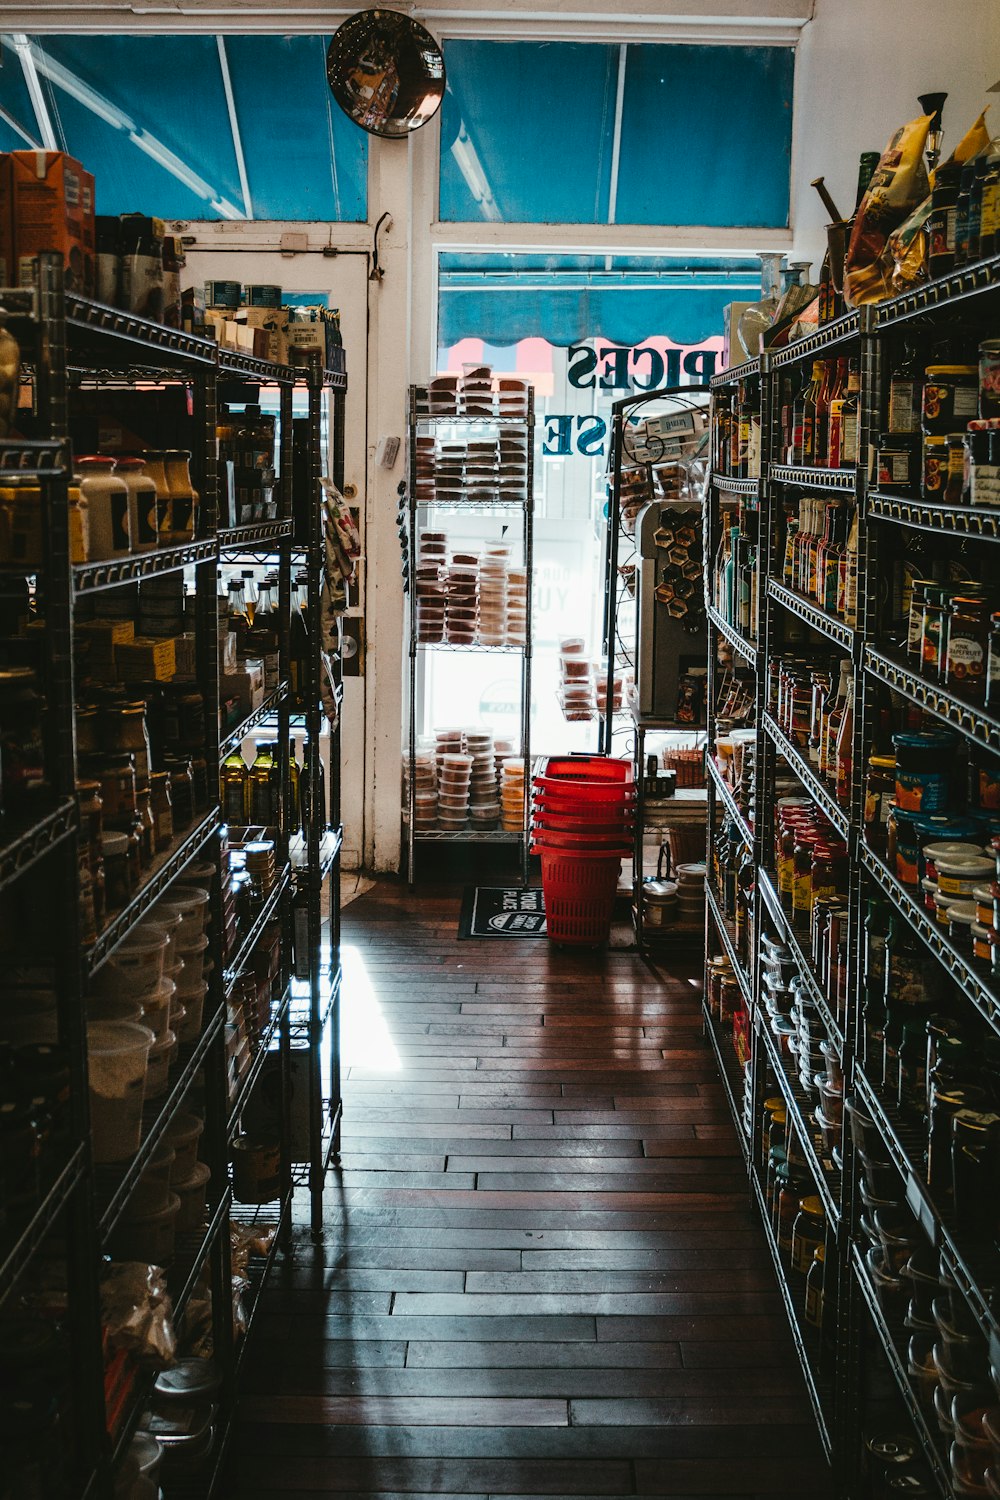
(951,398)
(968,647)
(935,469)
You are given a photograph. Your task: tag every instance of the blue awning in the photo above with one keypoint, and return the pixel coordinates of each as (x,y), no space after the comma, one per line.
(566,299)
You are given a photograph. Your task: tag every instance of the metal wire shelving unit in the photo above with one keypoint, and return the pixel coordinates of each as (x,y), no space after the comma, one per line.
(877,669)
(79,1206)
(496,496)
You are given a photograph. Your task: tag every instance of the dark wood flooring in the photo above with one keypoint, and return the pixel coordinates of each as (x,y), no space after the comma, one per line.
(541,1275)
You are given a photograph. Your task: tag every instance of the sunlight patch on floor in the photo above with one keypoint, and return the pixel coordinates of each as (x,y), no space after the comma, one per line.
(365,1039)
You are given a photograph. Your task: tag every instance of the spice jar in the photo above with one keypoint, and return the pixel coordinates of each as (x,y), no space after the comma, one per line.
(950,399)
(967,648)
(117,877)
(107,507)
(141,503)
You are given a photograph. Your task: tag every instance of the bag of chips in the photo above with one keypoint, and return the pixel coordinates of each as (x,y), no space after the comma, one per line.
(907,248)
(899,184)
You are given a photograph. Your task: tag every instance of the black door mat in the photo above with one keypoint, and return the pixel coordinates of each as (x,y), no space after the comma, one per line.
(501,912)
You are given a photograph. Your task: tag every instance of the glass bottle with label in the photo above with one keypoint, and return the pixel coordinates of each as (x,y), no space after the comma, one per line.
(903,418)
(239,619)
(298,656)
(262,638)
(262,789)
(234,777)
(810,413)
(835,418)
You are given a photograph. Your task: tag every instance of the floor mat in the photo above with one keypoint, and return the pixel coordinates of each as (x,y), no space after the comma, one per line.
(502,912)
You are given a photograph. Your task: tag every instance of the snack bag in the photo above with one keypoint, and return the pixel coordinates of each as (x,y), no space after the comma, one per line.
(898,185)
(906,253)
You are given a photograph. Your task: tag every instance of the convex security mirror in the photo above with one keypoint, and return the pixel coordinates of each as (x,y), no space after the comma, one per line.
(386,72)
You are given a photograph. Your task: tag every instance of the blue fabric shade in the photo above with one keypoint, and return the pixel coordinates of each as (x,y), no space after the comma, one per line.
(528,134)
(148,115)
(565,299)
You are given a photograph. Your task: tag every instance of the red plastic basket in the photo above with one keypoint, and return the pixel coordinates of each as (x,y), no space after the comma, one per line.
(595,800)
(568,823)
(586,768)
(579,891)
(613,842)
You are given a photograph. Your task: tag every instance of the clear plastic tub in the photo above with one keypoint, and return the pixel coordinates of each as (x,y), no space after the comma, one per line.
(189,1029)
(156,1007)
(158,1071)
(192,903)
(136,965)
(118,1057)
(115,1008)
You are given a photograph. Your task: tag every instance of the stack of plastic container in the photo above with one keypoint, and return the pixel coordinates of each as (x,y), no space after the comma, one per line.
(493,596)
(512,795)
(576,687)
(484,806)
(454,778)
(425,787)
(517,606)
(582,820)
(462,599)
(430,588)
(502,750)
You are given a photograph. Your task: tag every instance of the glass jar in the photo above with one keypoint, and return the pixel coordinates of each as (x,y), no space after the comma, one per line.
(954,484)
(117,875)
(880,789)
(162,805)
(950,399)
(968,647)
(790,1195)
(771,1105)
(91,807)
(924,765)
(896,460)
(813,1307)
(141,503)
(184,499)
(802,862)
(117,780)
(154,468)
(935,469)
(961,915)
(107,508)
(935,610)
(145,825)
(808,1234)
(181,791)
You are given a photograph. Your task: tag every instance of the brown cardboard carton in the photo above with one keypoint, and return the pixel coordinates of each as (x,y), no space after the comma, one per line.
(52,208)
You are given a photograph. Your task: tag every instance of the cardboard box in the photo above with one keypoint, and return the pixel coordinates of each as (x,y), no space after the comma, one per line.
(147,659)
(245,687)
(271,324)
(50,199)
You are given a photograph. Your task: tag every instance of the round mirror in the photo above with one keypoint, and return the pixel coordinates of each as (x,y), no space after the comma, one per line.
(386,71)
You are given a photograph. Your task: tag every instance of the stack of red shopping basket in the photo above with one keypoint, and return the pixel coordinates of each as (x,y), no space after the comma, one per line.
(582,821)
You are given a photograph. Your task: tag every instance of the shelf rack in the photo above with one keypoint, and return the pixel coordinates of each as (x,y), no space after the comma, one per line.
(748,650)
(71,343)
(886,521)
(415,512)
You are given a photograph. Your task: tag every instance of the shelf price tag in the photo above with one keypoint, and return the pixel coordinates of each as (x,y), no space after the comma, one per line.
(922,1210)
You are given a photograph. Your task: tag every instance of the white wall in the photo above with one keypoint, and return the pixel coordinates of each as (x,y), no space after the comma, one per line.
(860,66)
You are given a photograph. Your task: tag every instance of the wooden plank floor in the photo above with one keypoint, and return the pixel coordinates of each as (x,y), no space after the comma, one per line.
(541,1275)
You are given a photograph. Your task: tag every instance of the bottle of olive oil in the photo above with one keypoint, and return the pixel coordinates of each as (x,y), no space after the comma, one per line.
(235,778)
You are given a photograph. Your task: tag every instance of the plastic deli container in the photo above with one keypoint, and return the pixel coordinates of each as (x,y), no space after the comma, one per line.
(192,903)
(192,1192)
(149,1239)
(135,967)
(160,1056)
(188,1028)
(156,1007)
(118,1059)
(183,1133)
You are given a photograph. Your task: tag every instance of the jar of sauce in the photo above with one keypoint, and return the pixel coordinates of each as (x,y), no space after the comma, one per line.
(950,399)
(141,503)
(968,648)
(808,1234)
(154,469)
(107,507)
(896,463)
(935,469)
(880,789)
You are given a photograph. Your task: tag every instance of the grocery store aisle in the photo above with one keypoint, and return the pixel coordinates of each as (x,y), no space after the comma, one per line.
(541,1275)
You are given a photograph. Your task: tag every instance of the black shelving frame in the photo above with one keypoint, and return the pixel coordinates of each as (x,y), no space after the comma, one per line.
(973,296)
(414,514)
(62,335)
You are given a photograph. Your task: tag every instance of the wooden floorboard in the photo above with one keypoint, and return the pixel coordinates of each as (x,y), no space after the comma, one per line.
(541,1274)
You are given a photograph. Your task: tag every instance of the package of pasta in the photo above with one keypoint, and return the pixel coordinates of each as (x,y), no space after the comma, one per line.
(899,184)
(907,250)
